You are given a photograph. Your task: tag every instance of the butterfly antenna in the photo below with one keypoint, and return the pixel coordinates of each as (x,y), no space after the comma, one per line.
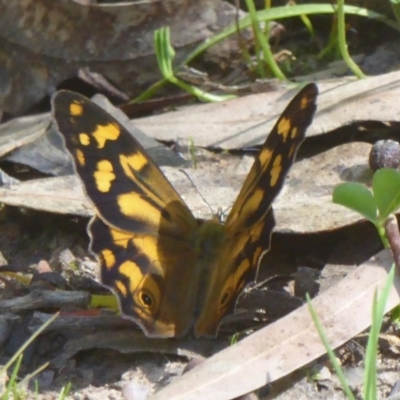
(197,190)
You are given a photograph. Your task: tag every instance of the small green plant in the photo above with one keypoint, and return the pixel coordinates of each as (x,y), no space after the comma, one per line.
(234,339)
(165,54)
(375,205)
(370,373)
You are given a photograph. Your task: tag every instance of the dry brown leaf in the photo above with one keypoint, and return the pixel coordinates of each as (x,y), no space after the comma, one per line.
(20,131)
(243,122)
(291,342)
(304,205)
(247,120)
(30,144)
(62,195)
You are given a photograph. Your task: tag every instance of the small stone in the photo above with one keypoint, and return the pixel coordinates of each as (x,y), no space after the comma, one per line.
(384,154)
(135,391)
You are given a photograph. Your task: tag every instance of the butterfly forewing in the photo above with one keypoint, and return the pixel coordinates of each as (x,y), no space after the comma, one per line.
(250,223)
(117,173)
(143,233)
(273,162)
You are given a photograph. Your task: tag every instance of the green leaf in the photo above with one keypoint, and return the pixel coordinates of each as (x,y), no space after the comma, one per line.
(386,188)
(358,198)
(396,10)
(395,316)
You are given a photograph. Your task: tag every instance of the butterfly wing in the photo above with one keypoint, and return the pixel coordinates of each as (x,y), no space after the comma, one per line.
(250,223)
(143,232)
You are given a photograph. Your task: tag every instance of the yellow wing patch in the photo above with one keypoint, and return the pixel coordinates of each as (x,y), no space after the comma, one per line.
(103,133)
(104,176)
(284,128)
(135,162)
(84,139)
(276,170)
(75,109)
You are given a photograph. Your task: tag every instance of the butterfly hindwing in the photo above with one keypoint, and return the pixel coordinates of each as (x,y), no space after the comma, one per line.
(232,270)
(149,291)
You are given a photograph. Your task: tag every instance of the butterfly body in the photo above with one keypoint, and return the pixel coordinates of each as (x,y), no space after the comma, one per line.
(170,271)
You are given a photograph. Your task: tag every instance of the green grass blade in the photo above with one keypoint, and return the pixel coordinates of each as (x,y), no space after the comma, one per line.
(28,377)
(277,13)
(343,43)
(370,356)
(27,343)
(64,391)
(11,384)
(261,39)
(331,354)
(307,23)
(378,312)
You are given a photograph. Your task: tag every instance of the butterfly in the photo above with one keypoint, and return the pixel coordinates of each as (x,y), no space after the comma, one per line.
(170,271)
